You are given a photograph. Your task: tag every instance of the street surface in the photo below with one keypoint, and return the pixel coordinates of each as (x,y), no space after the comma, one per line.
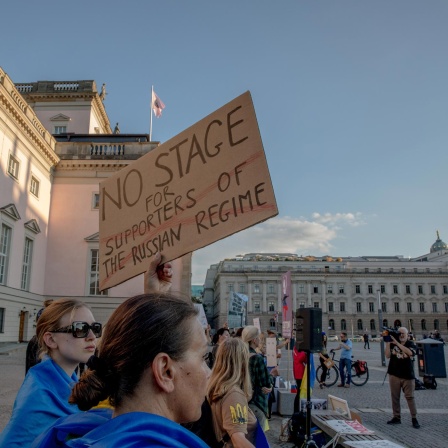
(371,401)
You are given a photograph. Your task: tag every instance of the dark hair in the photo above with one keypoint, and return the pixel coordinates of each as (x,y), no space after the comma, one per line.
(239,332)
(140,328)
(219,333)
(344,333)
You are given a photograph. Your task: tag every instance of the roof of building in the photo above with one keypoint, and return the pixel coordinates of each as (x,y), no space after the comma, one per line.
(438,244)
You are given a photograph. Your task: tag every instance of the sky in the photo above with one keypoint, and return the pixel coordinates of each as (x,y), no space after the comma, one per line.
(351,98)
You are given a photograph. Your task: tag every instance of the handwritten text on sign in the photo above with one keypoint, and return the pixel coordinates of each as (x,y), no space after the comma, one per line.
(206,183)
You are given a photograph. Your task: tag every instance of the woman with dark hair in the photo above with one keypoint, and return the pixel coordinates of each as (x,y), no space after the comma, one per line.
(66,333)
(218,338)
(151,368)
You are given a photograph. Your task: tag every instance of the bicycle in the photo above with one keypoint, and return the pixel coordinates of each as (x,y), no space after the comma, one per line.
(359,371)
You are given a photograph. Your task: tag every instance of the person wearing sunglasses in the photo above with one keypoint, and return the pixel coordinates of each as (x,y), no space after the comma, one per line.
(67,335)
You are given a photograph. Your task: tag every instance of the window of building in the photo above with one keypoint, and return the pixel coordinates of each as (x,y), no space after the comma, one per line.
(302,305)
(301,288)
(445,289)
(257,306)
(60,130)
(95,201)
(5,242)
(242,288)
(395,289)
(95,274)
(230,287)
(385,324)
(272,324)
(433,289)
(370,289)
(13,167)
(342,307)
(341,289)
(383,289)
(343,325)
(358,307)
(420,289)
(271,289)
(316,304)
(372,324)
(316,289)
(422,307)
(257,288)
(330,307)
(423,324)
(436,324)
(371,307)
(2,320)
(409,307)
(408,289)
(329,288)
(384,307)
(26,265)
(446,307)
(331,324)
(358,289)
(271,306)
(269,268)
(397,307)
(434,307)
(360,325)
(34,186)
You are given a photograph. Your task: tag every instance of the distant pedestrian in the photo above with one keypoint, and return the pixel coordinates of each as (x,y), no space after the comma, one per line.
(366,341)
(401,375)
(345,362)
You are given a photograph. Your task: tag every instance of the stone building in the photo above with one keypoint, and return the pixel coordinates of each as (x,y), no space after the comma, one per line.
(56,145)
(349,290)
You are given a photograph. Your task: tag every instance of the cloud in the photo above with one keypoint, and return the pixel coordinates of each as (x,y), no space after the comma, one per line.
(278,235)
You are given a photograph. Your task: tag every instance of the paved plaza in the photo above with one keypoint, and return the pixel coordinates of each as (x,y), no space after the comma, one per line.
(371,401)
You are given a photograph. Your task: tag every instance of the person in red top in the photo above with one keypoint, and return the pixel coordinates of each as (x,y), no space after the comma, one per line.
(299,363)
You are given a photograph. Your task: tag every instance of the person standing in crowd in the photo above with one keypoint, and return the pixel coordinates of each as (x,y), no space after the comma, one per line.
(323,356)
(261,379)
(32,349)
(299,364)
(228,393)
(345,362)
(401,375)
(219,337)
(366,341)
(66,334)
(151,367)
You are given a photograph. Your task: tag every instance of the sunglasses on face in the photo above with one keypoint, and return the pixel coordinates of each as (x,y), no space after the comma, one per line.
(81,329)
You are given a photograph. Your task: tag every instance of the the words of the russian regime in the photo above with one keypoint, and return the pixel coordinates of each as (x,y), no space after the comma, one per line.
(162,205)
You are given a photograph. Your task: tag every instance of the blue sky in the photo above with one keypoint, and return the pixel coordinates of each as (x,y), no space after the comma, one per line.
(351,99)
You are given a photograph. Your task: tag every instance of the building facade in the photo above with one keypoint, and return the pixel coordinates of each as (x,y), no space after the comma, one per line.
(349,290)
(56,146)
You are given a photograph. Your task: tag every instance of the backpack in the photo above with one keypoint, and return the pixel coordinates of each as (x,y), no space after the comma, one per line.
(429,381)
(419,385)
(204,428)
(360,367)
(297,427)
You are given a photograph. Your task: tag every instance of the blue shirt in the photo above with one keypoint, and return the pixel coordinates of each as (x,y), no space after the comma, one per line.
(346,354)
(42,399)
(136,430)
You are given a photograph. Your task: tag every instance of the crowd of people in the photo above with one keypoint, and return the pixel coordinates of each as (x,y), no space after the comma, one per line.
(154,373)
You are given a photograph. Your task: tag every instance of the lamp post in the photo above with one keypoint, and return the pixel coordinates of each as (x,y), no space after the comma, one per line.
(380,326)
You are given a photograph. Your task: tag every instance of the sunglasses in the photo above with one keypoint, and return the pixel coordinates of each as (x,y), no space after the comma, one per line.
(81,329)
